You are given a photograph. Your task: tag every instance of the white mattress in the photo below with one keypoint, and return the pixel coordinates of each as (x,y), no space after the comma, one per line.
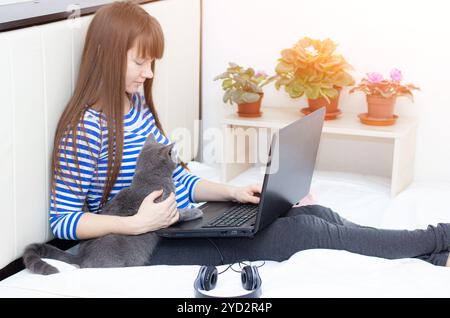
(311,273)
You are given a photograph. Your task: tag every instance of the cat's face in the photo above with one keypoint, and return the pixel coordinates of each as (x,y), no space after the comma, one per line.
(156,158)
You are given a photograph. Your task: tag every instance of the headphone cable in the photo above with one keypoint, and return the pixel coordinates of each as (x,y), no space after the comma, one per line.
(222,260)
(218,250)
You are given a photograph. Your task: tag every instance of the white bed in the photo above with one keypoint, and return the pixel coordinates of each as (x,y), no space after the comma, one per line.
(310,273)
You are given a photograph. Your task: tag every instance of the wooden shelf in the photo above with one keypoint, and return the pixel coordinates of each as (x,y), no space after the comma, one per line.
(346,124)
(401,137)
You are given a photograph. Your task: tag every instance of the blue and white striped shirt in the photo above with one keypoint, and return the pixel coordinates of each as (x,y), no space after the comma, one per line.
(92,152)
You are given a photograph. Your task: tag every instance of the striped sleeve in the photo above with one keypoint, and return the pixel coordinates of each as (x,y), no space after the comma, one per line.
(189,181)
(185,182)
(72,186)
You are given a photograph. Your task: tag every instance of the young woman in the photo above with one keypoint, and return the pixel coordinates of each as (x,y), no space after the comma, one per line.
(99,137)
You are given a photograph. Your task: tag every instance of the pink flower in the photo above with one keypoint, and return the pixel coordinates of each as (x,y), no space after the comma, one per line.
(396,75)
(374,77)
(260,73)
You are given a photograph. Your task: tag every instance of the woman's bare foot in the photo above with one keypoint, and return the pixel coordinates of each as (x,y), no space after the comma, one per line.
(448,261)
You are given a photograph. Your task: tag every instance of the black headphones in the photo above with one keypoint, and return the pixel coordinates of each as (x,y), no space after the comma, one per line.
(207,279)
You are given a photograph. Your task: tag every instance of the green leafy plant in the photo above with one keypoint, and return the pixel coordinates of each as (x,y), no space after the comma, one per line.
(242,85)
(312,68)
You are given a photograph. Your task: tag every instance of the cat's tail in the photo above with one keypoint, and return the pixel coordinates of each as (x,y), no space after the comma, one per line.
(32,258)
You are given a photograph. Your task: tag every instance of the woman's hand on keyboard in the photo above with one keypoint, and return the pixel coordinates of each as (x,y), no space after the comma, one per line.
(247,194)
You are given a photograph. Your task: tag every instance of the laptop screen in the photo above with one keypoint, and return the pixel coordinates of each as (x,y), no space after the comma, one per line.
(290,167)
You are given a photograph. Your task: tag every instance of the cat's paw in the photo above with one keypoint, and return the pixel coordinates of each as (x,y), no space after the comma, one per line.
(189,214)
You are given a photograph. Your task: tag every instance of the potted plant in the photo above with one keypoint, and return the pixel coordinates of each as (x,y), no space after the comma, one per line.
(312,68)
(244,87)
(381,96)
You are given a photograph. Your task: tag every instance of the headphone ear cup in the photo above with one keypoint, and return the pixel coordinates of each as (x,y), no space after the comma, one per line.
(247,277)
(256,278)
(250,278)
(208,278)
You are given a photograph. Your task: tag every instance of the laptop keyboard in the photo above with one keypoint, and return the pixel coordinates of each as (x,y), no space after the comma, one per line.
(236,216)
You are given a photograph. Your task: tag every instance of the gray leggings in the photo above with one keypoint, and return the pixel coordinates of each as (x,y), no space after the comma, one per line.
(308,227)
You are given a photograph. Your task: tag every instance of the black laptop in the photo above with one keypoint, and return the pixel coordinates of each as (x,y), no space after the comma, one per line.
(289,170)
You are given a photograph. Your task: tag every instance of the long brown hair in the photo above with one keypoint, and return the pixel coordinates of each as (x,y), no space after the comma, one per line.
(114,30)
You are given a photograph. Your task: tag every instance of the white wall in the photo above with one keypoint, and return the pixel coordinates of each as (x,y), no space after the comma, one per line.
(38,69)
(377,35)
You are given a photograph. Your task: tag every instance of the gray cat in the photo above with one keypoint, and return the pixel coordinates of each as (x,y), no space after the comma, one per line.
(154,169)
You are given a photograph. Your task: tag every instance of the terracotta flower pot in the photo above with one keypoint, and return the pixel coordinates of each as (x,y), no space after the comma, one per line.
(250,109)
(332,110)
(380,107)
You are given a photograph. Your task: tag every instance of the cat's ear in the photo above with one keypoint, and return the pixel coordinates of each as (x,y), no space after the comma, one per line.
(150,139)
(170,146)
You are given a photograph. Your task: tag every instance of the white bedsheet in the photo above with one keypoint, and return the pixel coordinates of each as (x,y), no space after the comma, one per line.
(311,273)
